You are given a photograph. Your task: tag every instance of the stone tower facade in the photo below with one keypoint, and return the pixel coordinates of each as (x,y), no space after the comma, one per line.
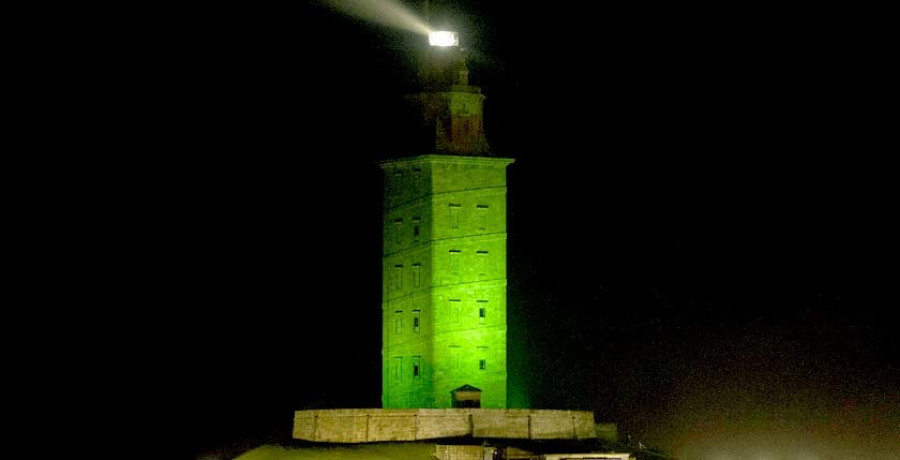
(444,292)
(444,258)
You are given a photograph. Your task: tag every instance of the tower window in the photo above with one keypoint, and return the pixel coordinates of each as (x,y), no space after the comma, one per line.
(482,359)
(398,322)
(416,320)
(417,275)
(397,370)
(482,310)
(398,276)
(416,229)
(454,215)
(416,366)
(398,232)
(481,216)
(417,175)
(454,356)
(454,310)
(482,258)
(454,261)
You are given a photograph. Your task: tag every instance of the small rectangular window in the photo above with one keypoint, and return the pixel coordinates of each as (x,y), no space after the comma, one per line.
(482,358)
(398,232)
(454,310)
(417,176)
(481,217)
(482,310)
(397,370)
(398,322)
(417,275)
(454,356)
(416,366)
(416,320)
(454,261)
(482,261)
(454,215)
(417,231)
(398,276)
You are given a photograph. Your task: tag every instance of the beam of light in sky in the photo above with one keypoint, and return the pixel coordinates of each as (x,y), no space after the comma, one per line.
(389,13)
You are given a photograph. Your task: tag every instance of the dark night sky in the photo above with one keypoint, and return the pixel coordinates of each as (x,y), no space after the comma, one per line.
(698,228)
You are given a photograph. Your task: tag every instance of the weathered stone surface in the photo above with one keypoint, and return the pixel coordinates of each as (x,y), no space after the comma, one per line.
(373,425)
(554,426)
(340,428)
(504,425)
(442,452)
(442,424)
(398,427)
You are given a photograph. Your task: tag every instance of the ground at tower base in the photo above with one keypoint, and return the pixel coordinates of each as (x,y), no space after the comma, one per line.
(415,451)
(603,447)
(419,451)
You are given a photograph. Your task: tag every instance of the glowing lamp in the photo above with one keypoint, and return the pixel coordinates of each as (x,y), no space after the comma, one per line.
(443,38)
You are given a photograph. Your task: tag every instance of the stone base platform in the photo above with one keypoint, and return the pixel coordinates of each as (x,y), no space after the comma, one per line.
(380,425)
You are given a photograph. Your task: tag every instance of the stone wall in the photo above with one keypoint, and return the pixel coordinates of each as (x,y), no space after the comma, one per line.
(378,425)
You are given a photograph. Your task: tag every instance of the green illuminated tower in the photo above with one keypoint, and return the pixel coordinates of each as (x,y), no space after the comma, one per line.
(444,258)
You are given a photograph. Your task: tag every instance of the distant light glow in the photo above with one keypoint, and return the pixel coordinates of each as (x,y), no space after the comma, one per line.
(443,38)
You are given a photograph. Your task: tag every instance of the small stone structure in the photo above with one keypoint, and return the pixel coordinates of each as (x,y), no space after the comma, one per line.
(378,425)
(466,396)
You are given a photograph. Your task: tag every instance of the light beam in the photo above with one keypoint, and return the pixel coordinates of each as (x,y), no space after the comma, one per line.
(389,13)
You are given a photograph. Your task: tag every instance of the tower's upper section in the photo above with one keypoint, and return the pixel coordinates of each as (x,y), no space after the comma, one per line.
(449,111)
(413,178)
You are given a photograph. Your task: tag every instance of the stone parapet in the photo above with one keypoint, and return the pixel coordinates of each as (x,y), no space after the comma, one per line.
(379,425)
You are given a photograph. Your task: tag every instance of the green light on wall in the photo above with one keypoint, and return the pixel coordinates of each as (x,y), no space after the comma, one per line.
(444,291)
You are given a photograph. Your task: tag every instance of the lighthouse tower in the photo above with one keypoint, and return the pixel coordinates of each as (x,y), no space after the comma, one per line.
(444,253)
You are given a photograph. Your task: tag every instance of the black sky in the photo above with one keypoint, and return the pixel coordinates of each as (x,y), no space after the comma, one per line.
(699,243)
